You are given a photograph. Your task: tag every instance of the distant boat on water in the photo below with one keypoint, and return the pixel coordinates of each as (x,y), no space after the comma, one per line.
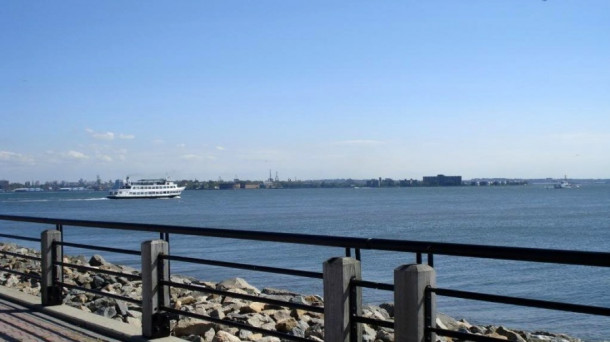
(564,184)
(28,190)
(146,188)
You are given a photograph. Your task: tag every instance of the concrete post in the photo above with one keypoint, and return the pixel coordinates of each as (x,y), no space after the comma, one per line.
(154,294)
(338,272)
(50,274)
(410,282)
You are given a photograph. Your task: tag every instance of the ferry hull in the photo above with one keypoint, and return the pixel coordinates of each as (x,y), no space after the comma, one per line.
(142,197)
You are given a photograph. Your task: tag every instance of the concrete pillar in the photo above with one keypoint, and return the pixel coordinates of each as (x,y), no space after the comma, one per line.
(50,253)
(410,282)
(154,294)
(338,272)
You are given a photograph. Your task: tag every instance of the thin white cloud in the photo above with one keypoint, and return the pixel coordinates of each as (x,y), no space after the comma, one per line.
(190,157)
(126,136)
(75,155)
(108,135)
(104,157)
(359,142)
(582,138)
(220,148)
(12,157)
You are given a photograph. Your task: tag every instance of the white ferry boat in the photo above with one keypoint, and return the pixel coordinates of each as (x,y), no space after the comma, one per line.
(564,184)
(146,188)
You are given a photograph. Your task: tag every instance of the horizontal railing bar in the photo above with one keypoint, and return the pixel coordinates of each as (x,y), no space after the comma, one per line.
(99,270)
(101,293)
(19,237)
(27,275)
(535,303)
(463,336)
(371,321)
(300,273)
(465,250)
(19,255)
(235,324)
(245,296)
(373,285)
(99,248)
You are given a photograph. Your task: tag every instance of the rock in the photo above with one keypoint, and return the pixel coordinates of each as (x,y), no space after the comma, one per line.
(509,334)
(286,325)
(476,330)
(375,312)
(269,339)
(258,320)
(108,311)
(253,307)
(298,313)
(281,315)
(316,339)
(496,335)
(194,338)
(316,330)
(98,282)
(122,307)
(187,300)
(280,292)
(208,336)
(244,334)
(300,329)
(98,260)
(192,327)
(223,336)
(385,336)
(368,333)
(237,283)
(83,279)
(300,300)
(388,307)
(216,313)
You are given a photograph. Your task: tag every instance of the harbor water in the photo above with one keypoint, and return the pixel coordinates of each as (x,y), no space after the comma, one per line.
(521,216)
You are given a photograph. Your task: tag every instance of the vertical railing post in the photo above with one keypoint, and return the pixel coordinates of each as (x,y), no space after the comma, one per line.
(51,272)
(338,273)
(154,295)
(410,305)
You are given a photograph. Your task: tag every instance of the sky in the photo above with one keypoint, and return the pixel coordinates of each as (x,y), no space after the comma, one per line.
(308,89)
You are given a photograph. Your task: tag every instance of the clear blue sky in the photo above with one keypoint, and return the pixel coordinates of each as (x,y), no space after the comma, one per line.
(310,89)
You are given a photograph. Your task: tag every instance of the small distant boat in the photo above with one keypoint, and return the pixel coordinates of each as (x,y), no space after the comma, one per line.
(564,184)
(28,190)
(146,188)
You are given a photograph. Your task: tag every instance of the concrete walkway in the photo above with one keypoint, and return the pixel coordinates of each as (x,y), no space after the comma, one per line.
(22,318)
(18,323)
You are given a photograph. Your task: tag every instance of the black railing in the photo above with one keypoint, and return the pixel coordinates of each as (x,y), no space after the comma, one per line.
(418,248)
(519,301)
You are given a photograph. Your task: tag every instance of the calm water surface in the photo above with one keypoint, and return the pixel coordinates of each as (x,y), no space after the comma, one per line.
(524,216)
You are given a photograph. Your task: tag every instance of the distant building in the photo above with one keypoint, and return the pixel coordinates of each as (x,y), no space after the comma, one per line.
(4,185)
(250,186)
(228,186)
(442,180)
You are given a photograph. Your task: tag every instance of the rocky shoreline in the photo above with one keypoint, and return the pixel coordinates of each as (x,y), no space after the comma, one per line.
(270,317)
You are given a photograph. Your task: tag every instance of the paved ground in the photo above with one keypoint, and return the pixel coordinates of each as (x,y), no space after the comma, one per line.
(18,323)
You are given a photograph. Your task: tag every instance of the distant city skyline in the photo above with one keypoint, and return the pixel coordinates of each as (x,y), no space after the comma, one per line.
(312,90)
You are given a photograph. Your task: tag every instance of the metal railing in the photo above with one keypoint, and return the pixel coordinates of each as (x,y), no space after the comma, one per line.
(404,320)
